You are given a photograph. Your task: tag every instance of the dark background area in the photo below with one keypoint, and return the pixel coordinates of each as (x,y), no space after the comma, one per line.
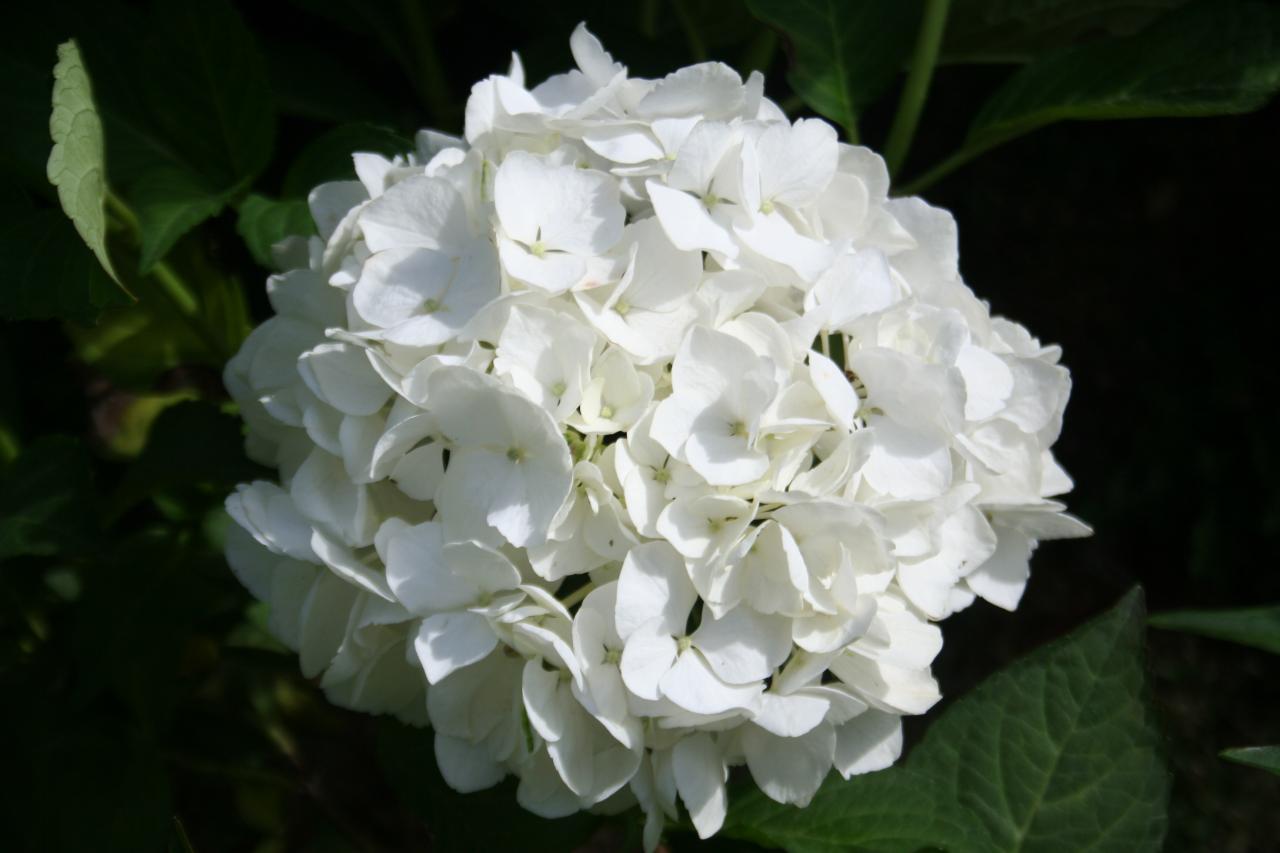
(1147,249)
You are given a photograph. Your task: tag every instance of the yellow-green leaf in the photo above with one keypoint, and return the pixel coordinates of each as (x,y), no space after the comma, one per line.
(76,163)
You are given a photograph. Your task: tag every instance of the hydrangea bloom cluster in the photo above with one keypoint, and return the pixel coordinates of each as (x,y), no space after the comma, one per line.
(636,435)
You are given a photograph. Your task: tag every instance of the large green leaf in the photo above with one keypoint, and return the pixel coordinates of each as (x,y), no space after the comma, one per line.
(46,502)
(1214,57)
(1253,626)
(76,164)
(844,53)
(183,142)
(1056,753)
(1021,30)
(1208,59)
(1262,757)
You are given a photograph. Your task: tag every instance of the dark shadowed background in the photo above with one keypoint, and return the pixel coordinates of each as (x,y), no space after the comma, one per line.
(132,685)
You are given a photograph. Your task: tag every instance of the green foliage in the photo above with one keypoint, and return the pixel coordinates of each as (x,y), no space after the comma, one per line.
(169,466)
(76,164)
(1262,757)
(46,499)
(183,142)
(1252,626)
(1056,753)
(263,222)
(844,54)
(1207,59)
(1019,30)
(48,270)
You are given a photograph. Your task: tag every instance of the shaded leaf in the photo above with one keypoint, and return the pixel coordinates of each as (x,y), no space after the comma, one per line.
(844,53)
(1211,58)
(134,347)
(49,270)
(46,504)
(1055,753)
(1250,626)
(1020,30)
(1262,757)
(328,156)
(263,222)
(170,202)
(76,164)
(193,447)
(183,142)
(85,784)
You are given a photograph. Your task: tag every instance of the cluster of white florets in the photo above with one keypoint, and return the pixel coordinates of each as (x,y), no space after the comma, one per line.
(635,435)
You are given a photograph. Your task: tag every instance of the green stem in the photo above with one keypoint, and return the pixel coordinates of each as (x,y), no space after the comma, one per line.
(919,77)
(577,595)
(171,284)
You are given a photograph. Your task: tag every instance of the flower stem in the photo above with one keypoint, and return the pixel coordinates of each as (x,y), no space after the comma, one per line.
(171,284)
(578,594)
(917,87)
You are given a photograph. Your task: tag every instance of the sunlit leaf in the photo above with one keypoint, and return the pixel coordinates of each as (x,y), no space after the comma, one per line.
(76,163)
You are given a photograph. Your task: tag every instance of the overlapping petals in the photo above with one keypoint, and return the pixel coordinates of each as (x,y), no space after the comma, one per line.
(636,435)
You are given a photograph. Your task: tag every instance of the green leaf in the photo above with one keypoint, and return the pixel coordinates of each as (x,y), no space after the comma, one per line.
(1262,757)
(49,270)
(1020,30)
(328,156)
(182,142)
(76,164)
(484,820)
(168,463)
(170,202)
(46,503)
(1058,752)
(1207,58)
(1253,626)
(264,222)
(844,53)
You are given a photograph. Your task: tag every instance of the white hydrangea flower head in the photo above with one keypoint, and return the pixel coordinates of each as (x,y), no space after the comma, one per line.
(636,435)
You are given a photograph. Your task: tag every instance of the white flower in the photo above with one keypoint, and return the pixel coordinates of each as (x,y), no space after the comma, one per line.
(636,435)
(720,391)
(554,218)
(508,463)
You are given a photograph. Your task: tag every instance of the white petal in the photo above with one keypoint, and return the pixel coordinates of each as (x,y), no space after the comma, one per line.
(466,767)
(691,684)
(450,641)
(653,587)
(789,769)
(743,646)
(687,223)
(646,658)
(700,775)
(870,741)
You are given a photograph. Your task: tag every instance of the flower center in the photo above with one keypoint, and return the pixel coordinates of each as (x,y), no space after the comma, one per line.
(516,454)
